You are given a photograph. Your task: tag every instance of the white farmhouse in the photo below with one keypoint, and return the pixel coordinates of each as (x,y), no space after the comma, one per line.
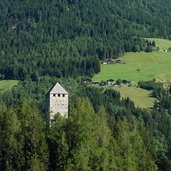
(58,101)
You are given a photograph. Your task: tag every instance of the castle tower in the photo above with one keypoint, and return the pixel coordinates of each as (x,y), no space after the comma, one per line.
(58,101)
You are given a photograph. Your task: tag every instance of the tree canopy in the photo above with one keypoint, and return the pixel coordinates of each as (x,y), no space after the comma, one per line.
(67,38)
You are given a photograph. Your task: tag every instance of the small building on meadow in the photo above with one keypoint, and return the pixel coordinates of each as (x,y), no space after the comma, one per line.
(58,101)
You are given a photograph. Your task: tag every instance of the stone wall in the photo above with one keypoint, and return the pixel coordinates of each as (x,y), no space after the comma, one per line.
(58,104)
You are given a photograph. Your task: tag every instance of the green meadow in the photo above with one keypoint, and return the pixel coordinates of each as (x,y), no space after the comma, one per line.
(7,84)
(139,96)
(139,66)
(161,43)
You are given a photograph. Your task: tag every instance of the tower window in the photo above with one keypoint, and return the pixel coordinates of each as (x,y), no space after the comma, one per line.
(63,95)
(54,95)
(58,95)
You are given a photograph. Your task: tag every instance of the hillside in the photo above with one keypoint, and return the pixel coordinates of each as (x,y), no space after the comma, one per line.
(67,38)
(112,125)
(7,84)
(163,44)
(140,97)
(138,66)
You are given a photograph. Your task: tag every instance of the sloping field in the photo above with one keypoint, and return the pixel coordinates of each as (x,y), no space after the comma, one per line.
(139,66)
(161,43)
(139,96)
(7,84)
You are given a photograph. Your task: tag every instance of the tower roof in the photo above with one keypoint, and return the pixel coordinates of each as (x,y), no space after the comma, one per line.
(58,89)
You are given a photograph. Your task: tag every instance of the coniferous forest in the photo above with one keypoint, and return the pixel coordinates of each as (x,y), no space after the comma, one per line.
(42,42)
(67,38)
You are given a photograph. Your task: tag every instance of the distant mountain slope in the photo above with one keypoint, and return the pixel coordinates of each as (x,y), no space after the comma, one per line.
(67,37)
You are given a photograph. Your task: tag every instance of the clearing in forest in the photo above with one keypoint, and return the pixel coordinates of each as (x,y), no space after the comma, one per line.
(161,43)
(138,67)
(140,97)
(7,84)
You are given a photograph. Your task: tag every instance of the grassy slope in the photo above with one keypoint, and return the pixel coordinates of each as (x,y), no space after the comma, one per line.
(150,65)
(7,84)
(161,43)
(140,97)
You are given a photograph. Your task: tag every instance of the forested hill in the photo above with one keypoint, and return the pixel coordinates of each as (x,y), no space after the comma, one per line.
(66,38)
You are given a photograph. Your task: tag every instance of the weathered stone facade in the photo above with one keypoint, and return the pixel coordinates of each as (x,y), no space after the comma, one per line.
(58,101)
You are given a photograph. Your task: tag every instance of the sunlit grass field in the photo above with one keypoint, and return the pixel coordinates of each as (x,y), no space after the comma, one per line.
(7,84)
(139,96)
(139,66)
(161,43)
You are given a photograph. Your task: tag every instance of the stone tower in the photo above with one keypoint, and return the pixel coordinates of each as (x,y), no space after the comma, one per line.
(58,101)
